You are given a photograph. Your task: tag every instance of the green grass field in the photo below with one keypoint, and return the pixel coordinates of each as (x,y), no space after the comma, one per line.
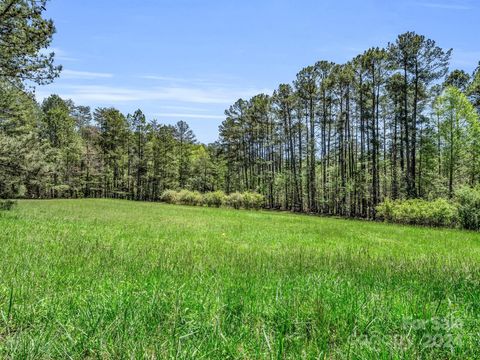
(115,279)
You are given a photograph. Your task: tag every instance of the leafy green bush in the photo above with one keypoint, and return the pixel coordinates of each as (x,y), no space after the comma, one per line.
(214,199)
(469,207)
(253,200)
(248,200)
(384,211)
(418,212)
(235,200)
(170,196)
(187,197)
(443,213)
(6,205)
(61,190)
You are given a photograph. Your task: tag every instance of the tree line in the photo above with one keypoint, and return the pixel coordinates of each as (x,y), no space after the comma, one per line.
(60,149)
(64,150)
(392,123)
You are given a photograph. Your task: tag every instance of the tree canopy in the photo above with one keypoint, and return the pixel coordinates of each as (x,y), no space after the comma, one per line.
(24,36)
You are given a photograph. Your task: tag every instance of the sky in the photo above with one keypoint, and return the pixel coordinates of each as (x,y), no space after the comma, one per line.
(191,59)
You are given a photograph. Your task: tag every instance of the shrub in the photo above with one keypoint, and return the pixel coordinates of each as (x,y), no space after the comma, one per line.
(253,200)
(61,190)
(235,200)
(384,211)
(187,197)
(469,207)
(443,213)
(170,196)
(418,212)
(214,199)
(6,205)
(248,200)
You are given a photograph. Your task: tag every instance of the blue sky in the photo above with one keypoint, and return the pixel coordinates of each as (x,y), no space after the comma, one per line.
(190,59)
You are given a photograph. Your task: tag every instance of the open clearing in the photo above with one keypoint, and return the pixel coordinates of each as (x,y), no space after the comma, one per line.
(118,279)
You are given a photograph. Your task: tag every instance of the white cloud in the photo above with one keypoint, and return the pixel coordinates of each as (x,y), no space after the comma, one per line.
(189,116)
(99,94)
(165,78)
(74,74)
(182,108)
(210,80)
(60,55)
(200,95)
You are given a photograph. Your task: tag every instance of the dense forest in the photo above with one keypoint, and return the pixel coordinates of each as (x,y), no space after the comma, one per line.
(392,123)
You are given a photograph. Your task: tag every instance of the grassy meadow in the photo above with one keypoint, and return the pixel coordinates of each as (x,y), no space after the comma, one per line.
(119,280)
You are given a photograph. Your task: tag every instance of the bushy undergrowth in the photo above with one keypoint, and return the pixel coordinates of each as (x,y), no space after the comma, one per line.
(469,208)
(193,198)
(253,200)
(214,199)
(439,212)
(462,211)
(6,205)
(170,196)
(247,200)
(235,200)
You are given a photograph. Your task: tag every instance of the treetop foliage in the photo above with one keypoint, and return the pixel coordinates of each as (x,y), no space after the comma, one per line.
(24,35)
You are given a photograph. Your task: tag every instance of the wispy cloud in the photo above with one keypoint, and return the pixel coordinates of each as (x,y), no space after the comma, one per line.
(166,78)
(210,79)
(74,74)
(188,116)
(446,6)
(60,55)
(99,94)
(182,108)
